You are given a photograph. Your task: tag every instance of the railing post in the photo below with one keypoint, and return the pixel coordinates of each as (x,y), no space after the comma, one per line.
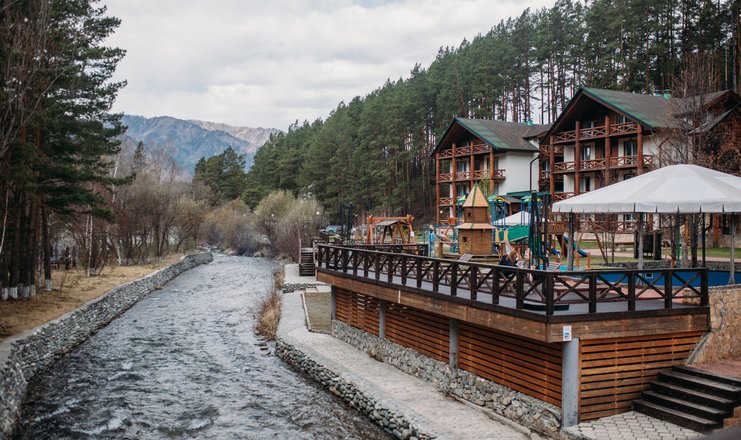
(453,279)
(631,292)
(355,257)
(549,294)
(436,276)
(519,290)
(333,303)
(366,263)
(377,265)
(704,299)
(390,265)
(344,260)
(473,281)
(403,270)
(496,288)
(668,294)
(336,258)
(592,294)
(418,261)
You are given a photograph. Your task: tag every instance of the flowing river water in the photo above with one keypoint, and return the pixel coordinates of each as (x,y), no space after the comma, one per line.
(184,363)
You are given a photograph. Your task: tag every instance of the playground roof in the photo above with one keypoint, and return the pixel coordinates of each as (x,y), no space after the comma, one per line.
(476,199)
(483,226)
(667,190)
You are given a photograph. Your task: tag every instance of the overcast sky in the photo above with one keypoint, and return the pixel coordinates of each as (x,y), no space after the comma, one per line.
(268,63)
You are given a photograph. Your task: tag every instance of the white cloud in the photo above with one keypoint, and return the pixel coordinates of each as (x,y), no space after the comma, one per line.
(269,63)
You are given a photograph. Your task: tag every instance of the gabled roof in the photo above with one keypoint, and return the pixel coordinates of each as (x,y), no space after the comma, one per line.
(650,110)
(501,135)
(715,121)
(476,199)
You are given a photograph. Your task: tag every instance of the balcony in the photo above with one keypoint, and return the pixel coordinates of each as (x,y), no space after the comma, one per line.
(557,197)
(475,148)
(596,132)
(498,175)
(601,164)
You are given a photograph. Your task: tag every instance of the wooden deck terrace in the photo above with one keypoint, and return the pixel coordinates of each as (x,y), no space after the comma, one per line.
(535,304)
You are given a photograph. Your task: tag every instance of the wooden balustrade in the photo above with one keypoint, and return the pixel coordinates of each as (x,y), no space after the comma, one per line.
(596,132)
(521,289)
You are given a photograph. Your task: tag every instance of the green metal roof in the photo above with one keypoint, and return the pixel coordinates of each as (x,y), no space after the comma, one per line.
(649,110)
(501,135)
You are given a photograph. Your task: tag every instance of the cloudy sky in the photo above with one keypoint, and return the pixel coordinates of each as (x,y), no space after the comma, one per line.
(267,63)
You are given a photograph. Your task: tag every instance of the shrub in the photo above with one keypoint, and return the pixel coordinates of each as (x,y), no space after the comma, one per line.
(231,226)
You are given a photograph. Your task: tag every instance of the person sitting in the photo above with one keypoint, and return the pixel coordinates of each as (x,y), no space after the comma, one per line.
(509,259)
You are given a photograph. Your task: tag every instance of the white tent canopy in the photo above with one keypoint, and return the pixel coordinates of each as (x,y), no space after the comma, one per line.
(668,190)
(519,218)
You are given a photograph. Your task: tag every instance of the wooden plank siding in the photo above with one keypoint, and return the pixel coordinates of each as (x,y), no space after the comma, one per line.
(528,366)
(359,311)
(423,332)
(614,372)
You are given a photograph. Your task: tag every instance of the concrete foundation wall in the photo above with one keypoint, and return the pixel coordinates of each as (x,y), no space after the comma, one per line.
(525,410)
(25,355)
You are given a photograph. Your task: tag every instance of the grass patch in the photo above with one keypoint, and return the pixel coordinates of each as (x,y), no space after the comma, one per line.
(268,313)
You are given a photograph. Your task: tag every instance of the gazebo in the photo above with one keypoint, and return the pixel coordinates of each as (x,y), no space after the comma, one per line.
(674,189)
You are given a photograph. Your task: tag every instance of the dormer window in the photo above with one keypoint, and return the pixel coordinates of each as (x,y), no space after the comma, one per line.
(622,119)
(587,124)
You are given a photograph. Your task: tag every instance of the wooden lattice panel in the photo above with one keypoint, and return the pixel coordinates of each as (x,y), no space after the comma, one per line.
(614,372)
(358,310)
(423,332)
(528,366)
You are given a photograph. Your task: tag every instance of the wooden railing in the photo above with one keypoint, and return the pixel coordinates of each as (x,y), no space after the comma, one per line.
(596,132)
(395,248)
(468,175)
(521,289)
(563,196)
(600,164)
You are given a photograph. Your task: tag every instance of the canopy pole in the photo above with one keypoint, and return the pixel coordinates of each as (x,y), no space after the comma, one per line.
(640,241)
(704,262)
(570,245)
(732,270)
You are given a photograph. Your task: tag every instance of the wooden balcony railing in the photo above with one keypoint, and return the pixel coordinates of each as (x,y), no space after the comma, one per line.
(563,196)
(596,132)
(600,164)
(446,201)
(542,292)
(475,148)
(468,175)
(420,249)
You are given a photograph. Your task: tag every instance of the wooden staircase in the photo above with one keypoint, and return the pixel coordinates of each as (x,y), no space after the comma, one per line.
(306,263)
(692,398)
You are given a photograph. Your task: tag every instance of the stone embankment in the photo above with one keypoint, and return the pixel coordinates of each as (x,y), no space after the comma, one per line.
(25,355)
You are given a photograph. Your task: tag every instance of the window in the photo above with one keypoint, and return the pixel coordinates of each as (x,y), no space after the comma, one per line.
(622,119)
(461,166)
(587,124)
(586,153)
(630,148)
(585,184)
(628,176)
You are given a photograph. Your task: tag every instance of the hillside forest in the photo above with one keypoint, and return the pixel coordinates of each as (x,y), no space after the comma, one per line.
(373,151)
(69,185)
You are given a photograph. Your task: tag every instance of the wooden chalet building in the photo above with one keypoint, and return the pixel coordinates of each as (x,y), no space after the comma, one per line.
(605,136)
(475,150)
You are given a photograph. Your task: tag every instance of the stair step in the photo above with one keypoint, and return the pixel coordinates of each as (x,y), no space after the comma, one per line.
(674,416)
(701,384)
(687,406)
(708,375)
(693,395)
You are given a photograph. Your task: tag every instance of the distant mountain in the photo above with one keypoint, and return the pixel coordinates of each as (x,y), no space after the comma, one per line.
(192,140)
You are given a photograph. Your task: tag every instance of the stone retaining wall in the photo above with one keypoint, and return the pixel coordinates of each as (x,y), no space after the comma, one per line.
(527,411)
(723,340)
(31,352)
(392,422)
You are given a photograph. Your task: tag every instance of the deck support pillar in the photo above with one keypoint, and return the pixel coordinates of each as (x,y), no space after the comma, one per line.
(382,319)
(453,349)
(333,304)
(570,383)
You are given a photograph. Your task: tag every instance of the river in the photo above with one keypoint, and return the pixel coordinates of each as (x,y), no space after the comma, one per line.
(184,363)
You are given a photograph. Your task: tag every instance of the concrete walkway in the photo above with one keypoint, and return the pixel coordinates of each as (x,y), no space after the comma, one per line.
(416,399)
(630,426)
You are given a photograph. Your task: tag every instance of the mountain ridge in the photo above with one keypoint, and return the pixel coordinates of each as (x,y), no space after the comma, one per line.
(190,140)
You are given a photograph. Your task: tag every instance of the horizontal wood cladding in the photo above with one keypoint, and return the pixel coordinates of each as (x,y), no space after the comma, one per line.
(614,371)
(529,366)
(359,311)
(423,332)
